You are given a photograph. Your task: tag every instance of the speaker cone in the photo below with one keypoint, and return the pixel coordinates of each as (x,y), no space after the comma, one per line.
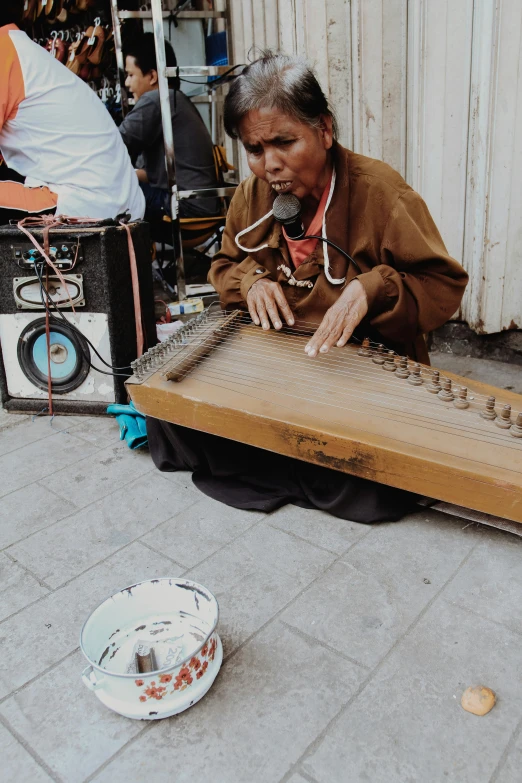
(68,352)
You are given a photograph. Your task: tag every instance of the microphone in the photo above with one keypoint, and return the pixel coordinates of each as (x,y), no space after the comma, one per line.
(287,210)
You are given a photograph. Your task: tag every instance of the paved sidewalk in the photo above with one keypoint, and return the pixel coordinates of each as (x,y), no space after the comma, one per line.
(347,647)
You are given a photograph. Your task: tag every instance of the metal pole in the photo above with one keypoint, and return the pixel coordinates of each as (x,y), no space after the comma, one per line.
(168,137)
(116,26)
(231,59)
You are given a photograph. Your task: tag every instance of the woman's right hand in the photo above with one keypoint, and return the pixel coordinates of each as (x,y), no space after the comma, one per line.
(266,302)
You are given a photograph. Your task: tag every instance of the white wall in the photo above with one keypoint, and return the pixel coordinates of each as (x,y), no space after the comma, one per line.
(434,88)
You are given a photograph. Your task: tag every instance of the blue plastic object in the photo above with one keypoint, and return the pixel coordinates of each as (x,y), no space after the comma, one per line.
(132,423)
(216,50)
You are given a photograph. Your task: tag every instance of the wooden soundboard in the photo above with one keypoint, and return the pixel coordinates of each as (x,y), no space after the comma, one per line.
(355,413)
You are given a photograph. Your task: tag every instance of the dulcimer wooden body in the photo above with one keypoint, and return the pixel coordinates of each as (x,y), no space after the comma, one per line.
(358,409)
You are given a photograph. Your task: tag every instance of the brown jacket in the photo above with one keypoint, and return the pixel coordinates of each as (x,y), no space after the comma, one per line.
(412,284)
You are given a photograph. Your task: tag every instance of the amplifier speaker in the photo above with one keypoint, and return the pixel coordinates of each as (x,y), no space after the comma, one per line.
(94,262)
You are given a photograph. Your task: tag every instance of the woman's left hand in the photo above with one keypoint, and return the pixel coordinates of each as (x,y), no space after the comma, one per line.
(340,320)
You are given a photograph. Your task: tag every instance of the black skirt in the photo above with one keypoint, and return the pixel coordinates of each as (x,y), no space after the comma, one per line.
(247,477)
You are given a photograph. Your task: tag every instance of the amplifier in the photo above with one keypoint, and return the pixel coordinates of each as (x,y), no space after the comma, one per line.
(94,263)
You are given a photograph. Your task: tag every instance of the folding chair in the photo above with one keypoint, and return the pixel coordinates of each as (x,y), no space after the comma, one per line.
(199,234)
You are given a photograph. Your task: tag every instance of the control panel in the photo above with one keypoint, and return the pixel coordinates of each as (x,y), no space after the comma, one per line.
(64,255)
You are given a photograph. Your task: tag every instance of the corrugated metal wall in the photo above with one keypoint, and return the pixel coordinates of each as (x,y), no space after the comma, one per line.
(435,90)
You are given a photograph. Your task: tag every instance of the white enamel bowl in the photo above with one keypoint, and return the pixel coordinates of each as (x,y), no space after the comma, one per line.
(164,613)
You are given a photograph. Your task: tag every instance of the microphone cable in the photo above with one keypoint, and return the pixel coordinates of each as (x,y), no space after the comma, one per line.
(339,249)
(287,211)
(73,328)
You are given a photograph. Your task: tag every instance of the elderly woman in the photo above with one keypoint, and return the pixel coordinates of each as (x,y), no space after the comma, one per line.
(399,283)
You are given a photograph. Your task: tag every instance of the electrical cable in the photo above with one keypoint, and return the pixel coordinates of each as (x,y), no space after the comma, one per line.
(74,329)
(329,242)
(216,81)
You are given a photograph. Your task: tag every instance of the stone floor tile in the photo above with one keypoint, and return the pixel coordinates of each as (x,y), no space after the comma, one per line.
(490,583)
(269,702)
(176,475)
(47,631)
(30,509)
(78,542)
(68,727)
(255,577)
(103,431)
(9,420)
(509,771)
(298,778)
(197,532)
(24,430)
(407,725)
(275,550)
(100,474)
(17,587)
(183,480)
(318,527)
(365,602)
(17,764)
(41,459)
(504,375)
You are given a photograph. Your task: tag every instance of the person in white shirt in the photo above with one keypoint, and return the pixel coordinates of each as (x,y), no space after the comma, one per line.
(61,150)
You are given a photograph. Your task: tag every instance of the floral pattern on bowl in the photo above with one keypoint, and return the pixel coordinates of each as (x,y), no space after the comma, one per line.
(196,667)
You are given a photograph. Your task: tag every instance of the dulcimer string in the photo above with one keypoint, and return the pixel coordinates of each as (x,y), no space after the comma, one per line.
(341,367)
(453,422)
(328,362)
(238,383)
(325,392)
(212,380)
(293,333)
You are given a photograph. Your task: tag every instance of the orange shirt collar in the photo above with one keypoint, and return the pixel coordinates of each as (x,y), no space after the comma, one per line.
(300,249)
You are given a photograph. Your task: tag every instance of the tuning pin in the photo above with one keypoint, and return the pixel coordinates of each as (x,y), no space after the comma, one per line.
(446,393)
(504,420)
(489,412)
(434,385)
(136,368)
(378,357)
(416,378)
(461,400)
(402,369)
(516,429)
(389,364)
(364,350)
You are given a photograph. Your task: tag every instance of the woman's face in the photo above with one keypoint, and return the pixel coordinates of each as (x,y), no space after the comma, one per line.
(290,156)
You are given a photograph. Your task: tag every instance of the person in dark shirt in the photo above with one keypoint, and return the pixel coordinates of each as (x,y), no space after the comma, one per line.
(142,133)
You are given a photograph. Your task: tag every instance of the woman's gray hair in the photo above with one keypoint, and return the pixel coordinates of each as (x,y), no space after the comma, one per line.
(277,81)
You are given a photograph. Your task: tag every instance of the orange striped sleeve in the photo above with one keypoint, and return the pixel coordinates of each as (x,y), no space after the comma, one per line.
(14,195)
(12,89)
